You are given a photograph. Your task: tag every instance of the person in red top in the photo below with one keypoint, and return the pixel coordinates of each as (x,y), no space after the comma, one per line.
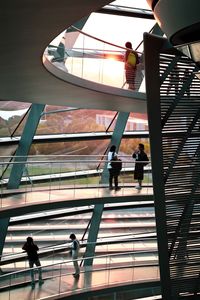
(31,249)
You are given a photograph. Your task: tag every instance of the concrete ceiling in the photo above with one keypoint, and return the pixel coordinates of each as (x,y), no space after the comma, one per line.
(26,28)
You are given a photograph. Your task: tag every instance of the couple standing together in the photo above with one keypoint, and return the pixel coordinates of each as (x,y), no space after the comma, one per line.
(141,160)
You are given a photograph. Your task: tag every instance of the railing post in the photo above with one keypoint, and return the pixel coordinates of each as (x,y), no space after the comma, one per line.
(60,279)
(3,232)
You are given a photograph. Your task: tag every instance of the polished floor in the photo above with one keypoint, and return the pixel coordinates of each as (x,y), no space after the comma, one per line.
(53,283)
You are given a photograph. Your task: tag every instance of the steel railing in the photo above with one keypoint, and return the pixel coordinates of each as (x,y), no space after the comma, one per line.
(129,242)
(43,174)
(59,274)
(93,59)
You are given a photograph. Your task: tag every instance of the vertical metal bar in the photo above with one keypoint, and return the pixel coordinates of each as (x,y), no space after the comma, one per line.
(59,286)
(152,47)
(3,232)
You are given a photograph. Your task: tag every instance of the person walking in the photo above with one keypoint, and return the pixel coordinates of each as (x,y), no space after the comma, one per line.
(141,160)
(75,252)
(112,172)
(31,249)
(174,81)
(130,64)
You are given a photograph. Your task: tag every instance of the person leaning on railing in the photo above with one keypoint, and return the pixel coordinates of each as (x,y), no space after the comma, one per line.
(31,248)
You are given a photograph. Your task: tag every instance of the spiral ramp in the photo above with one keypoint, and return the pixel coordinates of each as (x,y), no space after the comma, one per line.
(27,28)
(25,33)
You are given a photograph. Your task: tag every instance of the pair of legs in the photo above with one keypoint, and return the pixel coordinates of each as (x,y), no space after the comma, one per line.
(115,176)
(139,183)
(130,77)
(76,266)
(31,265)
(139,175)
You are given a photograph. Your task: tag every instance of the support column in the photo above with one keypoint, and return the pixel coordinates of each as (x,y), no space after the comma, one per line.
(24,145)
(116,139)
(93,233)
(152,48)
(4,226)
(98,209)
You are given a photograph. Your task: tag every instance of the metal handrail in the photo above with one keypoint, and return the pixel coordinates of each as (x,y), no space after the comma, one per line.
(99,242)
(130,7)
(100,40)
(61,155)
(71,261)
(68,161)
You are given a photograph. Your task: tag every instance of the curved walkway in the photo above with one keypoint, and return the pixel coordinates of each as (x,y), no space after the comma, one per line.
(24,78)
(68,137)
(23,203)
(27,29)
(89,280)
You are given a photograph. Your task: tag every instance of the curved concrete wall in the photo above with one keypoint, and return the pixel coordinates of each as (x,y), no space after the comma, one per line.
(179,19)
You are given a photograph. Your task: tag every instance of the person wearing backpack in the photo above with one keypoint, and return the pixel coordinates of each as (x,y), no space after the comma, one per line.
(112,174)
(131,61)
(116,165)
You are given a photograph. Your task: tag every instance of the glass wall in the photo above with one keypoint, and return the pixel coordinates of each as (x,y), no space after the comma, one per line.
(11,114)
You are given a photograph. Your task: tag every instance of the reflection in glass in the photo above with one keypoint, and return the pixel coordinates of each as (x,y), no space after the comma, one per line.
(11,114)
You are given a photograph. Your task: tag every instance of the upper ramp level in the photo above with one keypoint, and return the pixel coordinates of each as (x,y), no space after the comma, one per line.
(115,9)
(23,77)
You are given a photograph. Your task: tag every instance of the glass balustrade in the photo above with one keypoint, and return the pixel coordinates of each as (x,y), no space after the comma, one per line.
(92,59)
(143,245)
(123,228)
(48,179)
(58,279)
(71,174)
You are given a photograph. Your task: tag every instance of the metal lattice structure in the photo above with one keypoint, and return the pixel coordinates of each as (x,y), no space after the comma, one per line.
(175,133)
(180,115)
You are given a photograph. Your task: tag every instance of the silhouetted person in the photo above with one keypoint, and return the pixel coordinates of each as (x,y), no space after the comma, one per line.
(174,81)
(75,251)
(131,61)
(116,165)
(31,248)
(186,77)
(112,173)
(140,156)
